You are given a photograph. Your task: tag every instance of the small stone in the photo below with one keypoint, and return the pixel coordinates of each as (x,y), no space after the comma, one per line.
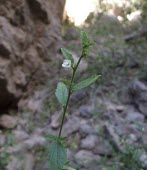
(71,126)
(144,139)
(113,137)
(15,163)
(29,161)
(143,159)
(34,141)
(9,122)
(120,108)
(55,120)
(2,140)
(20,135)
(84,157)
(38,131)
(138,95)
(15,149)
(78,98)
(86,130)
(36,102)
(85,111)
(103,147)
(132,138)
(135,116)
(89,142)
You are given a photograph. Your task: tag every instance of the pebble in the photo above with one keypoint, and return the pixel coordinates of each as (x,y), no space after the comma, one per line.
(71,126)
(135,116)
(85,111)
(20,135)
(84,157)
(8,122)
(89,142)
(2,140)
(143,159)
(85,130)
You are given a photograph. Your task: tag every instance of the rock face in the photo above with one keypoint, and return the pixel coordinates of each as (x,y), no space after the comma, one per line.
(29,38)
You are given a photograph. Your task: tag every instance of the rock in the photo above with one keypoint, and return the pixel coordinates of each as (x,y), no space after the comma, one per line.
(120,108)
(20,135)
(36,102)
(9,122)
(85,130)
(134,117)
(78,98)
(29,161)
(138,95)
(38,131)
(39,10)
(15,164)
(34,142)
(30,35)
(16,149)
(144,141)
(71,126)
(55,120)
(2,140)
(103,147)
(84,157)
(143,159)
(132,138)
(85,111)
(135,129)
(89,142)
(113,137)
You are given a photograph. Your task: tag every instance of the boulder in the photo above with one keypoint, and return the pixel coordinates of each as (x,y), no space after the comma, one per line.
(30,35)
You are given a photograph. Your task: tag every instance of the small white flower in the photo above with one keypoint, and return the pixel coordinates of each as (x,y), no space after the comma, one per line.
(66,64)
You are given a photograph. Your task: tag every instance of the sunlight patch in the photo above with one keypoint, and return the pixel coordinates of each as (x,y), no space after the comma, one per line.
(78,10)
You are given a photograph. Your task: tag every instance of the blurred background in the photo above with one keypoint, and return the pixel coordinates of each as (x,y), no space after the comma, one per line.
(106,123)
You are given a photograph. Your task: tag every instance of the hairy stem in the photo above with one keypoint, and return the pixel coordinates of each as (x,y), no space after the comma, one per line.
(69,92)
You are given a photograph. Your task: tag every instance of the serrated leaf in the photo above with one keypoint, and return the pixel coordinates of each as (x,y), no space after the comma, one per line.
(51,137)
(67,55)
(85,83)
(85,40)
(61,93)
(57,156)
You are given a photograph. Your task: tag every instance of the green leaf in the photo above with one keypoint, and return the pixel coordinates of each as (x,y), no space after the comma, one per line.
(61,93)
(67,55)
(57,156)
(62,139)
(85,83)
(85,40)
(51,137)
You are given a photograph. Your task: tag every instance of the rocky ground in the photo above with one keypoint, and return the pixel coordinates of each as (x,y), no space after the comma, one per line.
(106,124)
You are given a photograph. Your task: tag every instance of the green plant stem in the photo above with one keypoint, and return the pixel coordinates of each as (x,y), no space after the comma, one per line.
(70,92)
